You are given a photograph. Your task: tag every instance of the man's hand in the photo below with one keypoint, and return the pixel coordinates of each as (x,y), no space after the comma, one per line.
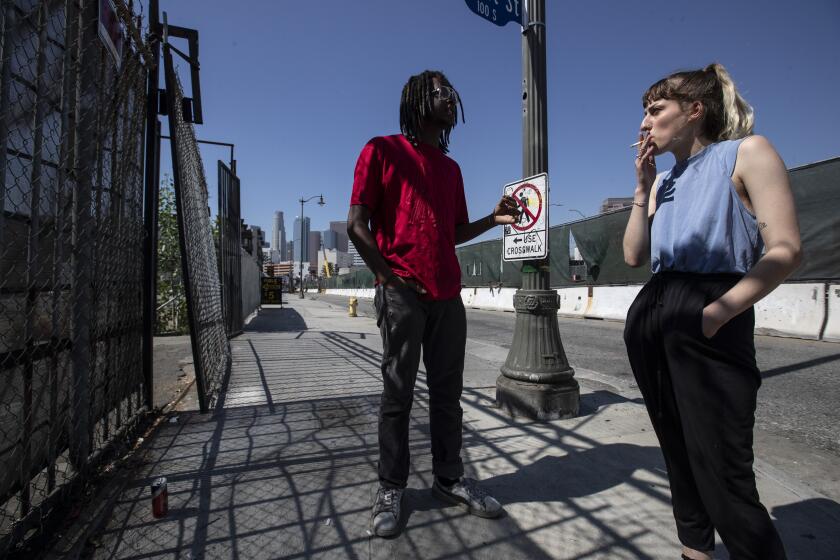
(507,211)
(395,280)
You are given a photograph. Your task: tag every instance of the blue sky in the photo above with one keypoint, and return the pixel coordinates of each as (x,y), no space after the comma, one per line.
(300,86)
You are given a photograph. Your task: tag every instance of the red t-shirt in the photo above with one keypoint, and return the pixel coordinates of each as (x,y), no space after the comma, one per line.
(416,198)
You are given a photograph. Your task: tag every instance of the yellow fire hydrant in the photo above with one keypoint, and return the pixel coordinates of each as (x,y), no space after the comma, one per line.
(351,306)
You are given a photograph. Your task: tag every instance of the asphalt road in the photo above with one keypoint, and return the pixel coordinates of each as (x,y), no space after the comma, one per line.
(797,417)
(800,388)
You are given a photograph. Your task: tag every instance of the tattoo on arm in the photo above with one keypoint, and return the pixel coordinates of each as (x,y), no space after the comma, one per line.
(761,226)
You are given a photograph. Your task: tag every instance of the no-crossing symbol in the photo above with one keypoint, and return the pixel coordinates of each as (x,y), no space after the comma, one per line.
(527,238)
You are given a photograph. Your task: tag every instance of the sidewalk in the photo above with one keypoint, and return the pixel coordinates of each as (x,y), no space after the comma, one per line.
(288,467)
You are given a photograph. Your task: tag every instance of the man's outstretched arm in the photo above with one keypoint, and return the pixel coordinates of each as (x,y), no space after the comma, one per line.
(506,212)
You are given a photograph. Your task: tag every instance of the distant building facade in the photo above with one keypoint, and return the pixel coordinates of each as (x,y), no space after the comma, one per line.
(336,258)
(279,269)
(314,247)
(341,239)
(329,238)
(357,258)
(254,242)
(611,204)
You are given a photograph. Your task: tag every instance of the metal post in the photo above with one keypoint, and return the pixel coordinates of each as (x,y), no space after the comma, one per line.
(152,188)
(83,241)
(34,275)
(7,41)
(300,250)
(536,380)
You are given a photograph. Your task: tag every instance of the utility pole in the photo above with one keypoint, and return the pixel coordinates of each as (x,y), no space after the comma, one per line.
(303,201)
(152,193)
(537,381)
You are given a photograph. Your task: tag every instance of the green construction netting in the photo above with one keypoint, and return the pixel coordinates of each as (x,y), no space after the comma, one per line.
(558,247)
(359,278)
(816,189)
(599,241)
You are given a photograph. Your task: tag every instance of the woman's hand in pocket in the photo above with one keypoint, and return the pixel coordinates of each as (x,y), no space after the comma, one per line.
(714,317)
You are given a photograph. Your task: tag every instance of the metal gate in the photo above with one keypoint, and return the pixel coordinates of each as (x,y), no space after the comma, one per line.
(211,350)
(230,240)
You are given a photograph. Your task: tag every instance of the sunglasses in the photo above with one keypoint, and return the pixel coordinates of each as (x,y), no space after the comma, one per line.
(445,93)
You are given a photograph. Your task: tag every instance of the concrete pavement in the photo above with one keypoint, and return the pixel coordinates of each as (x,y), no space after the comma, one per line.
(286,467)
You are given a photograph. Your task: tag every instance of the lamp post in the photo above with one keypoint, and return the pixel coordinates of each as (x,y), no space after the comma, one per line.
(578,211)
(536,380)
(302,244)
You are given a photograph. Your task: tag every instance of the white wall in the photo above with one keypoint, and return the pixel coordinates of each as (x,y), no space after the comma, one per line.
(793,310)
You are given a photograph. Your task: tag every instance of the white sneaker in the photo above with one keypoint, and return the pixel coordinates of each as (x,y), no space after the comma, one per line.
(468,494)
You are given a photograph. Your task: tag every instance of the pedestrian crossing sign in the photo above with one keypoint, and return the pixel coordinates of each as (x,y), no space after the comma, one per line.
(527,237)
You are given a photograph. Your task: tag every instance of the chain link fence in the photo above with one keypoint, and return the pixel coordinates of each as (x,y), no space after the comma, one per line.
(211,350)
(71,238)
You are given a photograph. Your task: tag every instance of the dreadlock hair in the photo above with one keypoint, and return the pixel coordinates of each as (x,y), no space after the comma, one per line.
(727,115)
(416,106)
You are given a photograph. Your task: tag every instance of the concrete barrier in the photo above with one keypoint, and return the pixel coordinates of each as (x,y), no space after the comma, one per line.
(505,299)
(611,302)
(573,301)
(498,299)
(468,296)
(794,310)
(832,325)
(364,293)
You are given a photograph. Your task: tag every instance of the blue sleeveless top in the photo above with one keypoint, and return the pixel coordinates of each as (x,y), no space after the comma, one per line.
(700,224)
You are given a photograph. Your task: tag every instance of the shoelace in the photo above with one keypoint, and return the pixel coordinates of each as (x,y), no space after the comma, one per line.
(474,490)
(388,500)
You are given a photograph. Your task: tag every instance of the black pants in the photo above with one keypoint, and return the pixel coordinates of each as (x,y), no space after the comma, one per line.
(701,395)
(440,327)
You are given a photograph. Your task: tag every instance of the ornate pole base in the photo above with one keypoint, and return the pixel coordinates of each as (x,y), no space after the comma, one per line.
(537,401)
(537,381)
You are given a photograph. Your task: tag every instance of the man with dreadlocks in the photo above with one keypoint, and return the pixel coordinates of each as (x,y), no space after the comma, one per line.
(407,213)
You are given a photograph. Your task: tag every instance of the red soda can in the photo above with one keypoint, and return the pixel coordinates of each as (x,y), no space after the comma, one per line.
(160,498)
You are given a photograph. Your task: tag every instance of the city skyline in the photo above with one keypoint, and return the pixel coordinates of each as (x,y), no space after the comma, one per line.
(351,88)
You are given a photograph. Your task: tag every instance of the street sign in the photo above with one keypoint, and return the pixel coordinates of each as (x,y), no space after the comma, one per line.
(527,238)
(272,290)
(500,12)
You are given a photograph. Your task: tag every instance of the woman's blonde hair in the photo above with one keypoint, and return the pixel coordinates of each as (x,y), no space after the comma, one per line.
(727,115)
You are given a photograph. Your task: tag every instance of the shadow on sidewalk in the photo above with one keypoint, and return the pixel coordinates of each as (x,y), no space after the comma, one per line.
(288,470)
(796,525)
(276,319)
(574,475)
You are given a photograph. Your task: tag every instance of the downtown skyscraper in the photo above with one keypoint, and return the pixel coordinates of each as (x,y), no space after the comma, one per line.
(301,247)
(278,236)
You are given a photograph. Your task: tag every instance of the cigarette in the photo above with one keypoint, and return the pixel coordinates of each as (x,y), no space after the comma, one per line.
(639,143)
